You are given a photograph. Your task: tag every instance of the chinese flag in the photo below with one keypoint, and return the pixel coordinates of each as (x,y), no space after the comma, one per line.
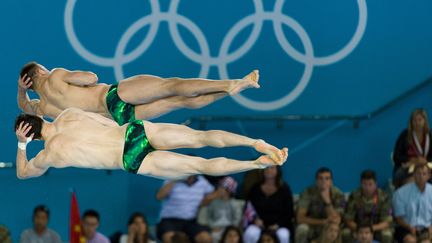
(75,235)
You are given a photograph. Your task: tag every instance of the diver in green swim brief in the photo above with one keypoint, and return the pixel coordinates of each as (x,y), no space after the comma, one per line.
(87,140)
(139,97)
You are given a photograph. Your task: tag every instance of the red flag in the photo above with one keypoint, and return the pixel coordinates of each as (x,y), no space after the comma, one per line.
(75,235)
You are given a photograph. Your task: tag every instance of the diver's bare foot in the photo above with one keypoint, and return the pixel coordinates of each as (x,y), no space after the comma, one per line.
(265,161)
(284,155)
(249,81)
(274,153)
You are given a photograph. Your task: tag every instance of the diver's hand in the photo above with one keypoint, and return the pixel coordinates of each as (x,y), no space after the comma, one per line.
(24,82)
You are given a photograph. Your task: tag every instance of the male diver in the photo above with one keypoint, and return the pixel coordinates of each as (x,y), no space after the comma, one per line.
(87,140)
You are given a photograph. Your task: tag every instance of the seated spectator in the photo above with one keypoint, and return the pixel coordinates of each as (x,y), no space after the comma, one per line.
(90,222)
(40,233)
(412,147)
(365,234)
(5,235)
(412,207)
(318,205)
(369,205)
(231,234)
(330,233)
(181,201)
(268,236)
(273,202)
(223,211)
(138,230)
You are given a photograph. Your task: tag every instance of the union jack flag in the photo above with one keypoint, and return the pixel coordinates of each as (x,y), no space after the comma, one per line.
(249,214)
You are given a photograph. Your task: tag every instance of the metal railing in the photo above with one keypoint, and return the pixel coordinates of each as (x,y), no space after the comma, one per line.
(279,119)
(6,165)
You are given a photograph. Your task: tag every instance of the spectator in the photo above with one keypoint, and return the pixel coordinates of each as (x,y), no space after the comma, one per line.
(5,235)
(412,147)
(318,205)
(181,201)
(369,205)
(231,234)
(223,211)
(90,224)
(273,203)
(138,230)
(365,234)
(412,207)
(329,234)
(180,237)
(40,233)
(268,236)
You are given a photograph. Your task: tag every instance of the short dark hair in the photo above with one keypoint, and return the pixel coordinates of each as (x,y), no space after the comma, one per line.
(227,230)
(41,208)
(35,122)
(180,237)
(368,175)
(30,69)
(91,213)
(270,233)
(365,226)
(323,170)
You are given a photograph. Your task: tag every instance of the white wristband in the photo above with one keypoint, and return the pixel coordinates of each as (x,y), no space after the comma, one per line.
(23,145)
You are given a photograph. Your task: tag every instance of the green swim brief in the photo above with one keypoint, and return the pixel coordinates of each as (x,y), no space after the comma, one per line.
(120,111)
(136,146)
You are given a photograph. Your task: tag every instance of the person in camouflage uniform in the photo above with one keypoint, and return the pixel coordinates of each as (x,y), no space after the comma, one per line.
(4,235)
(369,205)
(318,205)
